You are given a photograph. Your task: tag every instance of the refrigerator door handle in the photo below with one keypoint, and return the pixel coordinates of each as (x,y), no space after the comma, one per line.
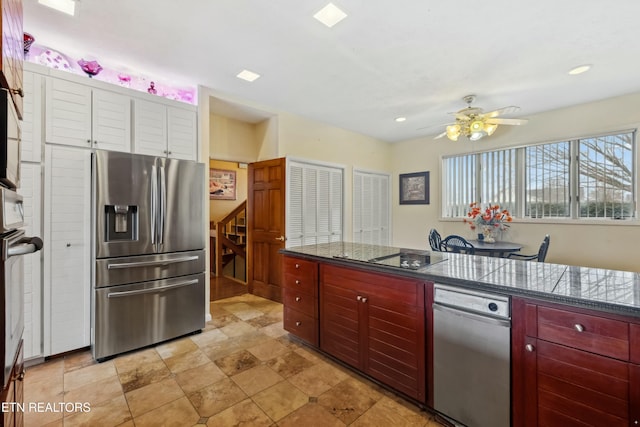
(151,290)
(150,263)
(154,202)
(163,202)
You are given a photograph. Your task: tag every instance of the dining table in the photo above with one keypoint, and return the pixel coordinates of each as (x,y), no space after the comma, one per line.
(497,249)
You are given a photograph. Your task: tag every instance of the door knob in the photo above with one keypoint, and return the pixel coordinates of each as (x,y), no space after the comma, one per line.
(281,238)
(578,327)
(529,347)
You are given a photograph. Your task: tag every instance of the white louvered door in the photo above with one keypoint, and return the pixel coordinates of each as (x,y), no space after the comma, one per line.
(68,113)
(31,144)
(182,133)
(150,128)
(371,208)
(314,204)
(31,191)
(67,252)
(111,124)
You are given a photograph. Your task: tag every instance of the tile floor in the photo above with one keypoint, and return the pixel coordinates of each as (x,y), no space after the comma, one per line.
(242,370)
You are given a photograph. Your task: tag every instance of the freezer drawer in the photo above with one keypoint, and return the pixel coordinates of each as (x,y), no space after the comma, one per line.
(128,317)
(142,268)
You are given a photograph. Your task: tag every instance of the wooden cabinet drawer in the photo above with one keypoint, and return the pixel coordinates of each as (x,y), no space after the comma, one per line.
(302,270)
(301,325)
(301,301)
(591,333)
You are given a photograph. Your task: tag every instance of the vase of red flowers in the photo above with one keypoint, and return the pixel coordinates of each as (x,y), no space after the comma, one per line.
(488,221)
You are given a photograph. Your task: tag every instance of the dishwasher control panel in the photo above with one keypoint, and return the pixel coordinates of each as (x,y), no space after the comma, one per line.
(473,301)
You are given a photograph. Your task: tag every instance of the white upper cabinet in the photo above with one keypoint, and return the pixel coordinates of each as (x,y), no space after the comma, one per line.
(162,130)
(31,144)
(80,116)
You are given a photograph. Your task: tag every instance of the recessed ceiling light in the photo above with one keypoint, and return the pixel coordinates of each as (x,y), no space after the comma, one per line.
(247,75)
(400,119)
(580,69)
(65,6)
(330,15)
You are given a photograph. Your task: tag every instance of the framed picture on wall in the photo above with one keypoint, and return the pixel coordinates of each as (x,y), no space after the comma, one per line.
(414,188)
(222,184)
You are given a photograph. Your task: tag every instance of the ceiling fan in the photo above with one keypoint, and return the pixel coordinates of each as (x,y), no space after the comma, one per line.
(474,123)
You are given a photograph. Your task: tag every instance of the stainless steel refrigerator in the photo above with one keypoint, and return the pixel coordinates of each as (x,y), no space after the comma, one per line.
(149,234)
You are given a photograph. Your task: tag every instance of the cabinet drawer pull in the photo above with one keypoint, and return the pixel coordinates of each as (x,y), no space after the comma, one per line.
(298,298)
(297,282)
(578,327)
(359,298)
(364,299)
(297,265)
(21,376)
(298,323)
(529,347)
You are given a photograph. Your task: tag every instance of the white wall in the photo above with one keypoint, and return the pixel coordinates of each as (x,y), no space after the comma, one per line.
(611,245)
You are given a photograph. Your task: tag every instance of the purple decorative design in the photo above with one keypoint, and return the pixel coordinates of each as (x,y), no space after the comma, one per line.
(28,41)
(52,59)
(152,88)
(92,68)
(124,79)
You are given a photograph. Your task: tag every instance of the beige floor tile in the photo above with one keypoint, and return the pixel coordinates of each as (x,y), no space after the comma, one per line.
(221,318)
(317,379)
(110,413)
(196,378)
(243,311)
(184,361)
(42,418)
(289,364)
(237,328)
(143,374)
(209,337)
(245,413)
(386,412)
(173,348)
(280,400)
(52,369)
(237,362)
(256,379)
(152,396)
(349,399)
(274,331)
(268,350)
(89,374)
(78,360)
(264,320)
(43,390)
(96,392)
(178,413)
(131,361)
(311,415)
(216,397)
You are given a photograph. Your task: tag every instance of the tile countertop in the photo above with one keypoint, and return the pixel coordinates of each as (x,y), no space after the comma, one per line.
(607,290)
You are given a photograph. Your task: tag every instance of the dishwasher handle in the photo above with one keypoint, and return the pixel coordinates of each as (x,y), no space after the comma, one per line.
(478,317)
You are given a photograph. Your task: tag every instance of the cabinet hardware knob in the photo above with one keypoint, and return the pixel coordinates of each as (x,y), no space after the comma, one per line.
(21,376)
(164,151)
(88,141)
(170,152)
(298,323)
(529,347)
(364,299)
(68,245)
(578,327)
(297,282)
(95,141)
(18,92)
(359,298)
(298,298)
(297,265)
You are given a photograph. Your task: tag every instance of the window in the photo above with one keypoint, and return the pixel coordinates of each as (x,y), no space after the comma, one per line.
(583,178)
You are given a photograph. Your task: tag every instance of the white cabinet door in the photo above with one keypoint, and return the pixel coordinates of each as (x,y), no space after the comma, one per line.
(182,126)
(371,208)
(31,191)
(150,128)
(31,145)
(111,128)
(67,263)
(80,116)
(68,113)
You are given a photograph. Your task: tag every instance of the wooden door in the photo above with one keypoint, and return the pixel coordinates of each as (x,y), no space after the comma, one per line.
(266,225)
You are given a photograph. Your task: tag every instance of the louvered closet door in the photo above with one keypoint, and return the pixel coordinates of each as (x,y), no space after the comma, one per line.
(68,113)
(314,204)
(111,121)
(371,208)
(150,129)
(182,133)
(30,189)
(67,248)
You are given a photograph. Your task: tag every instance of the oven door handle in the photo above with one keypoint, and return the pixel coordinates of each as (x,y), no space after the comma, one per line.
(26,245)
(151,290)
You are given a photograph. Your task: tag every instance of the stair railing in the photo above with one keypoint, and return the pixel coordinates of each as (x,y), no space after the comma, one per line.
(227,227)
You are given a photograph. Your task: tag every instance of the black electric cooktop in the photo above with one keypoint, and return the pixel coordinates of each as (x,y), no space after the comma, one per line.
(409,259)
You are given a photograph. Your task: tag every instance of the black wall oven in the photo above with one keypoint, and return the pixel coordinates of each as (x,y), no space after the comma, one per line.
(13,245)
(9,143)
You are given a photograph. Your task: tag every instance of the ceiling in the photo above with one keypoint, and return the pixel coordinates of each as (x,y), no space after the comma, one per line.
(388,58)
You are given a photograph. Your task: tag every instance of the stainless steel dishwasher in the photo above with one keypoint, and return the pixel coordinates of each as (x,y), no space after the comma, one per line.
(471,356)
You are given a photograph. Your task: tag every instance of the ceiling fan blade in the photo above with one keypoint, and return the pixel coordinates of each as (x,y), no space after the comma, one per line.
(501,111)
(507,121)
(441,135)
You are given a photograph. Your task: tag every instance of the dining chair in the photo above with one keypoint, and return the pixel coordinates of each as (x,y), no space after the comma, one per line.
(540,256)
(434,240)
(455,243)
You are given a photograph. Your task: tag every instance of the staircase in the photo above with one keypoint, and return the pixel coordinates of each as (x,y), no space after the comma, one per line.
(231,241)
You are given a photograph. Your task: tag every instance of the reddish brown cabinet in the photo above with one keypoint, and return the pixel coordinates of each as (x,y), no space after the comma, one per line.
(12,48)
(573,367)
(375,323)
(301,299)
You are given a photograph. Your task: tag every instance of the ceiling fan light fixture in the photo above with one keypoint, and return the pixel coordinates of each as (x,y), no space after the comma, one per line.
(453,132)
(580,69)
(476,136)
(476,126)
(490,128)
